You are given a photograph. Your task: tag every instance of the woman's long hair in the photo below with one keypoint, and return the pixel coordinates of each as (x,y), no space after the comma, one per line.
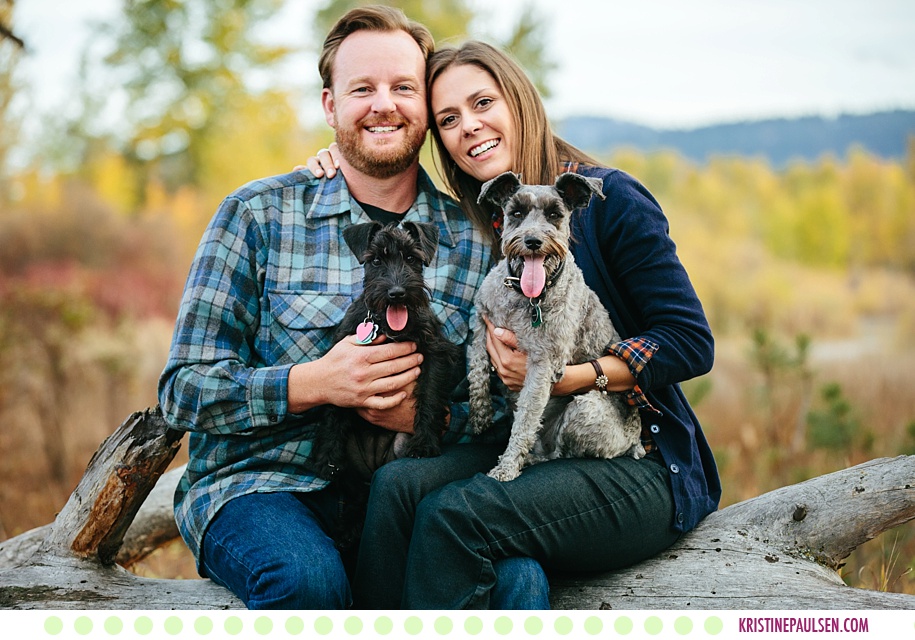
(539,154)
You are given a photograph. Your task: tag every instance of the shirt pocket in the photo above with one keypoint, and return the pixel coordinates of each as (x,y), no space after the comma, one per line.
(303,322)
(456,321)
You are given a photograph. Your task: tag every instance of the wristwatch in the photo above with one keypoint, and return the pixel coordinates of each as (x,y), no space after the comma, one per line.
(601,381)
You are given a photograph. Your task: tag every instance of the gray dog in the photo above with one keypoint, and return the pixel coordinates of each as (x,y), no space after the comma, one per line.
(538,292)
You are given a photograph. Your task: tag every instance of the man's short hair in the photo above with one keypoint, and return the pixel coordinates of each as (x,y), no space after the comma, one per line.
(371,18)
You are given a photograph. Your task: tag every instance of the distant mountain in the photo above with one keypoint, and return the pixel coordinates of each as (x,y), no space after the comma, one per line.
(883,134)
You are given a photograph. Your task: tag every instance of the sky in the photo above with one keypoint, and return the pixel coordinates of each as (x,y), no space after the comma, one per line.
(662,63)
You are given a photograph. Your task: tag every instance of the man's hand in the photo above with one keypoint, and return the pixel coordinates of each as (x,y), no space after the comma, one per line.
(400,417)
(374,376)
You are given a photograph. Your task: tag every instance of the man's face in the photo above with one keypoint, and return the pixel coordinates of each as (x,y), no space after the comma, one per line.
(377,103)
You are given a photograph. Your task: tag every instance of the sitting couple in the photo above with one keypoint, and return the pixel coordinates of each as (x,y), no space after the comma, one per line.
(252,358)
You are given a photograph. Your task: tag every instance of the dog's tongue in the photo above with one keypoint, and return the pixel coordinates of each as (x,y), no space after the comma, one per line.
(397,317)
(533,276)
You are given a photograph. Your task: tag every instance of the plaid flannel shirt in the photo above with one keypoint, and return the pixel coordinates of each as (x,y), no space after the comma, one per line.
(271,280)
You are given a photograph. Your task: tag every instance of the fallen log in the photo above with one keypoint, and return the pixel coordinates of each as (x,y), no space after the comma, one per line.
(780,550)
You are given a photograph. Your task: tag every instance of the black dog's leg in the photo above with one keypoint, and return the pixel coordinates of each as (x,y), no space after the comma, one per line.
(431,403)
(329,458)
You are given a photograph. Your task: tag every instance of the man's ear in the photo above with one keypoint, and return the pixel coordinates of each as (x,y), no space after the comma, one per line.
(328,103)
(500,189)
(426,235)
(358,237)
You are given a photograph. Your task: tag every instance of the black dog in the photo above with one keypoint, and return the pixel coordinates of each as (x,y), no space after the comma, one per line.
(394,302)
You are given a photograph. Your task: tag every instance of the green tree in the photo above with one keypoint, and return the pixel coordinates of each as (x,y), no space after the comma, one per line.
(452,21)
(183,64)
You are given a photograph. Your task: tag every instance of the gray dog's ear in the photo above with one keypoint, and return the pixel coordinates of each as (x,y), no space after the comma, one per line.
(426,235)
(358,237)
(500,189)
(576,190)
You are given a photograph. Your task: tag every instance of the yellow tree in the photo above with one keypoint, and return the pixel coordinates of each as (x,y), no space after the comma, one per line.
(183,64)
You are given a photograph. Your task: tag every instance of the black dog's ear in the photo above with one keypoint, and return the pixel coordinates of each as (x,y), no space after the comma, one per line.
(358,237)
(426,235)
(500,189)
(576,190)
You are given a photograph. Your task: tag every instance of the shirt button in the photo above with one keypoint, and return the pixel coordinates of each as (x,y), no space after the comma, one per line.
(272,418)
(674,468)
(654,428)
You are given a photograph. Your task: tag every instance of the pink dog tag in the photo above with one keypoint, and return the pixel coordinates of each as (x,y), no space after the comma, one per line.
(366,332)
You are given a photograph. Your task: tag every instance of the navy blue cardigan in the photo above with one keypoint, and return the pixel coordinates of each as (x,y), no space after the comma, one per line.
(624,249)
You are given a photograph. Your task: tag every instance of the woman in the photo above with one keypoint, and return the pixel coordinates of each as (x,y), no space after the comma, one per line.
(435,528)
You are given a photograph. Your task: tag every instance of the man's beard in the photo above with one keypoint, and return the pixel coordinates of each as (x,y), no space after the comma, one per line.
(383,161)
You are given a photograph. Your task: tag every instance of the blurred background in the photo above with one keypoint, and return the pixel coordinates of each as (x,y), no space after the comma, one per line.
(778,137)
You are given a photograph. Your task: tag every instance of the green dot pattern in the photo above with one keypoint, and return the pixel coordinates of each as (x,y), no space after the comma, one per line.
(714,626)
(365,625)
(83,625)
(473,625)
(683,625)
(143,625)
(653,625)
(203,625)
(383,626)
(233,625)
(503,625)
(173,625)
(563,625)
(113,626)
(295,626)
(443,625)
(533,625)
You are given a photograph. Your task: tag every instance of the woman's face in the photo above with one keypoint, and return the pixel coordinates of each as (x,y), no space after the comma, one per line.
(473,120)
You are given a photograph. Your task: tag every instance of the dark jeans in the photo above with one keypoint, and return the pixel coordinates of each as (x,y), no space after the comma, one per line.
(436,528)
(272,551)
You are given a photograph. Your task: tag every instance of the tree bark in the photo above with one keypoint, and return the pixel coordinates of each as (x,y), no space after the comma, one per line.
(780,550)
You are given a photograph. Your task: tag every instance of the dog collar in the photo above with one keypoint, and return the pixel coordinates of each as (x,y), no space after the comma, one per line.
(514,282)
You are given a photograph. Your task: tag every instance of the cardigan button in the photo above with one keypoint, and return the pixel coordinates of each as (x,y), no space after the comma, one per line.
(680,518)
(674,468)
(654,428)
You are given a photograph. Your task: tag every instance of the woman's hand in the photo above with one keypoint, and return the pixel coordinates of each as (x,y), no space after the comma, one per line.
(510,363)
(511,366)
(324,163)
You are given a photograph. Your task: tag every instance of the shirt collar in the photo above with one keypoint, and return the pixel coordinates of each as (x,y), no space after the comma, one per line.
(333,199)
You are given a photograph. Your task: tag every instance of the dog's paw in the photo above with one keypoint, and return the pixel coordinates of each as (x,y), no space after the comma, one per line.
(637,451)
(504,473)
(422,449)
(327,471)
(479,425)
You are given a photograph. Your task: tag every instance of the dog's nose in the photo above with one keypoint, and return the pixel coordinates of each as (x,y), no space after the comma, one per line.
(397,293)
(533,243)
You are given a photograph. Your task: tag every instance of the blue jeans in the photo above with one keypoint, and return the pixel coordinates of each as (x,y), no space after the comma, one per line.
(272,550)
(437,529)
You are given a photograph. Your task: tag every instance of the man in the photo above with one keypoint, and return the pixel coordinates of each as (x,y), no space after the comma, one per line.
(252,355)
